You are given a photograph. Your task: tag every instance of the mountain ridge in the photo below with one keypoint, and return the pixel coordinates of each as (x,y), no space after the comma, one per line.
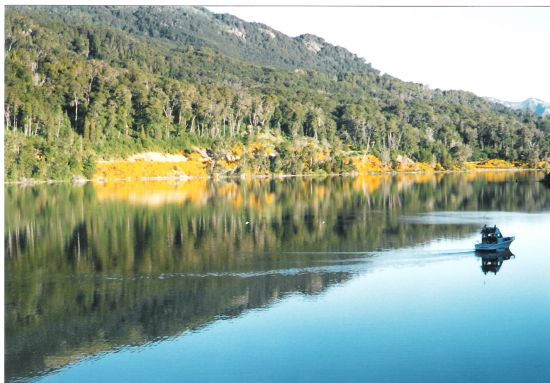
(531,104)
(225,32)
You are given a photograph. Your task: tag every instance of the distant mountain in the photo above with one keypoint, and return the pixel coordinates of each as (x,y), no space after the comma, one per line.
(534,105)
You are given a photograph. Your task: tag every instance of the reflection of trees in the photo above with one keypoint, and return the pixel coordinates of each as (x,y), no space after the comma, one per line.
(95,315)
(63,243)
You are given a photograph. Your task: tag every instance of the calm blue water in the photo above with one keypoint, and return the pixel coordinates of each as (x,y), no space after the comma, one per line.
(421,313)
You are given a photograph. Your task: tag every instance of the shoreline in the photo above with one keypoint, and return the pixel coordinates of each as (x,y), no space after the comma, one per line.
(82,181)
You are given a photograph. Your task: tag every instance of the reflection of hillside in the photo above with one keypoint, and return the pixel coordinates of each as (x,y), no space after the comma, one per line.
(197,192)
(106,314)
(62,243)
(370,183)
(91,229)
(491,176)
(154,193)
(406,181)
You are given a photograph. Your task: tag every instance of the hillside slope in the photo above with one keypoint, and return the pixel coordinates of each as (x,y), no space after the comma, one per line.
(185,25)
(89,83)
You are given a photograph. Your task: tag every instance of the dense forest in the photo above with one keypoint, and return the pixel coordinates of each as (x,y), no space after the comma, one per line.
(84,84)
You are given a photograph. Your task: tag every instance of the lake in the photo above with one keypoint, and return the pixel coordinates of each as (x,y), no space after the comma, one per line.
(346,279)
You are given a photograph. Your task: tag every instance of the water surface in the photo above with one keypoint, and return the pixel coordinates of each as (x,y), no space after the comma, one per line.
(336,279)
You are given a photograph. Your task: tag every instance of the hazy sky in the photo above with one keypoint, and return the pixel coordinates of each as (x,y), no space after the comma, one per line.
(497,52)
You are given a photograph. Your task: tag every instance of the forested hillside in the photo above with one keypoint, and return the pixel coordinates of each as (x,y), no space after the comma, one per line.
(95,83)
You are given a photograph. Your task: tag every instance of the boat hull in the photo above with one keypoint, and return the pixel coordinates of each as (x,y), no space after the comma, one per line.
(503,245)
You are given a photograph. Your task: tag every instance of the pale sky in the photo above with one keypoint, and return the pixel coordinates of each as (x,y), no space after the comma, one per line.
(496,52)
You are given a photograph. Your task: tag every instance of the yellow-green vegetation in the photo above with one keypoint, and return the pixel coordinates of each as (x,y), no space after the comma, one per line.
(502,164)
(194,166)
(369,164)
(494,164)
(271,155)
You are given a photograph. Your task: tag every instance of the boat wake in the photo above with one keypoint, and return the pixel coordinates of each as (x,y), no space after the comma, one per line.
(349,262)
(464,217)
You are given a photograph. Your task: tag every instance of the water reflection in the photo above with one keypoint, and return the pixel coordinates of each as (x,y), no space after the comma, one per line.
(492,262)
(95,268)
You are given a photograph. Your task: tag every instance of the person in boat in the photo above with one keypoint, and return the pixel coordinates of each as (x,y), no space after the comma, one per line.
(490,234)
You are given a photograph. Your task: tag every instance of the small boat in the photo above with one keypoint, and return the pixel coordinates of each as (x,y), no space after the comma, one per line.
(492,240)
